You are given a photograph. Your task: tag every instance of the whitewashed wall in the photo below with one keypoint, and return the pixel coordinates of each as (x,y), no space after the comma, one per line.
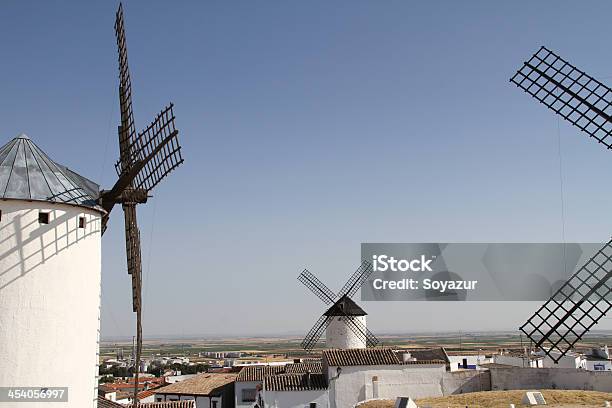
(592,364)
(355,382)
(295,399)
(517,361)
(242,385)
(567,361)
(49,300)
(516,378)
(339,335)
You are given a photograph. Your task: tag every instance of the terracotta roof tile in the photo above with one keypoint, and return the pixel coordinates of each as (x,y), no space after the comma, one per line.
(295,382)
(424,362)
(201,384)
(356,357)
(297,368)
(145,394)
(104,403)
(258,372)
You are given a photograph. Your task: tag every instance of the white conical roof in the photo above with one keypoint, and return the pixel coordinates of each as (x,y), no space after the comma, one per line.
(27,173)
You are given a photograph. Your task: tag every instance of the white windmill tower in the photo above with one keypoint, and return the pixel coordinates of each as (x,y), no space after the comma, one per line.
(50,239)
(51,223)
(345,316)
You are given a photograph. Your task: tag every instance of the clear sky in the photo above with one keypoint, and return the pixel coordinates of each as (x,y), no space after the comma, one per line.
(307,128)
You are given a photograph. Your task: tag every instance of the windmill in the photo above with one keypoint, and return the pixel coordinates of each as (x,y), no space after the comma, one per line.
(145,158)
(344,321)
(585,297)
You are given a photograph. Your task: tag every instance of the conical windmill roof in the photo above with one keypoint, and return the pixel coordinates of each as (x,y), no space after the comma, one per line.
(27,173)
(345,306)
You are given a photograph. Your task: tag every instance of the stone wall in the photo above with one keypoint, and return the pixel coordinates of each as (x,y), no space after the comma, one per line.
(518,378)
(459,382)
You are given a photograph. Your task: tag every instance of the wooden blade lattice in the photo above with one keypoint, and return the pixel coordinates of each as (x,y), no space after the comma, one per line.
(575,308)
(132,248)
(578,97)
(159,147)
(315,333)
(356,280)
(317,287)
(127,137)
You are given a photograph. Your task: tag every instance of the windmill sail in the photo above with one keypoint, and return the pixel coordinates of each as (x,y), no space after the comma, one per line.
(125,90)
(317,287)
(144,160)
(159,149)
(315,333)
(578,97)
(356,280)
(575,308)
(132,249)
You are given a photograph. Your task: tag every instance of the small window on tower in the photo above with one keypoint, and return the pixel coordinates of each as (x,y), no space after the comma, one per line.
(43,217)
(0,215)
(81,222)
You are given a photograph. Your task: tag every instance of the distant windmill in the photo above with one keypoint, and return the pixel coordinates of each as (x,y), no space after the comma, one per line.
(344,322)
(145,159)
(585,298)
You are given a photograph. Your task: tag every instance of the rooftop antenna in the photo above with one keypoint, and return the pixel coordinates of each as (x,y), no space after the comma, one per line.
(145,158)
(585,297)
(343,310)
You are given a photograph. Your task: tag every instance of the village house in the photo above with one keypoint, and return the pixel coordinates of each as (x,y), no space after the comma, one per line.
(518,358)
(295,390)
(355,375)
(208,390)
(249,382)
(569,360)
(599,359)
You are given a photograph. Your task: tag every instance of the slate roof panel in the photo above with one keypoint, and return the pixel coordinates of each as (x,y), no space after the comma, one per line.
(27,173)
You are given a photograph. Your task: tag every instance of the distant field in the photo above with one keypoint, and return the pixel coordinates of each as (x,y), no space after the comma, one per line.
(453,342)
(503,399)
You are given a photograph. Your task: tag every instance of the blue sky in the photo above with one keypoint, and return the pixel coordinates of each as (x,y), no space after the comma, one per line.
(308,128)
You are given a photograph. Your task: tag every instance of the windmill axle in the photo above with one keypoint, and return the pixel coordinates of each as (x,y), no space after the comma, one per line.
(127,196)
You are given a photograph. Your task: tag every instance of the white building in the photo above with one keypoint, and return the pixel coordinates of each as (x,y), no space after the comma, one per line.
(295,391)
(249,382)
(569,360)
(362,374)
(599,359)
(50,267)
(208,390)
(518,359)
(468,361)
(344,378)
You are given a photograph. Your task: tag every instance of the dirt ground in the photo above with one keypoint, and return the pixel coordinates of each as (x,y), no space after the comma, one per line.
(503,399)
